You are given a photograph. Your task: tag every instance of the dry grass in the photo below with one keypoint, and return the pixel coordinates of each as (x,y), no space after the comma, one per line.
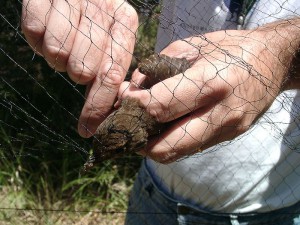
(63,218)
(19,208)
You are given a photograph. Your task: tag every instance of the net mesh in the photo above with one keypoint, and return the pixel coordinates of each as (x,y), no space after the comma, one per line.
(233,114)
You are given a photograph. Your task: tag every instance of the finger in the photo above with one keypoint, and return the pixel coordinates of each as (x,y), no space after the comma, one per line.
(137,79)
(113,68)
(125,85)
(188,48)
(60,33)
(162,100)
(99,101)
(181,94)
(89,44)
(135,84)
(180,139)
(124,89)
(206,127)
(34,21)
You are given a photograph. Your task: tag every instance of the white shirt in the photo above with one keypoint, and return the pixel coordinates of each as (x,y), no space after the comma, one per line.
(257,171)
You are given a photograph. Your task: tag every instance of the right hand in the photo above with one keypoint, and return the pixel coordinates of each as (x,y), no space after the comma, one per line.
(92,40)
(234,78)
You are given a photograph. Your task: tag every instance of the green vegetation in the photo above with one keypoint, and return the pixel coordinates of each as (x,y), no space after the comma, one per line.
(41,154)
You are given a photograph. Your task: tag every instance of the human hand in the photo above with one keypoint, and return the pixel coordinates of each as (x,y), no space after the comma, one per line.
(234,78)
(92,40)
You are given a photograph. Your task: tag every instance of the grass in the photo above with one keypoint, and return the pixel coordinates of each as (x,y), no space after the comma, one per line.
(20,205)
(57,192)
(99,197)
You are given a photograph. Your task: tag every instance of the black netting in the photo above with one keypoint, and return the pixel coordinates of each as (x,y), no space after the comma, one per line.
(206,91)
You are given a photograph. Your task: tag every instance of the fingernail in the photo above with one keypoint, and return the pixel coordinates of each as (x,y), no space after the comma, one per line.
(84,131)
(118,103)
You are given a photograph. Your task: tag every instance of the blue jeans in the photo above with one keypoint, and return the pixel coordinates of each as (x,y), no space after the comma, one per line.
(147,205)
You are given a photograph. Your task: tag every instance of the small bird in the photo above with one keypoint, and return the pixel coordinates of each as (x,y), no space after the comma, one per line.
(128,128)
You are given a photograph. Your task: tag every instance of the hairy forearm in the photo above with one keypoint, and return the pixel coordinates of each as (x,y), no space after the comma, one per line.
(283,41)
(293,79)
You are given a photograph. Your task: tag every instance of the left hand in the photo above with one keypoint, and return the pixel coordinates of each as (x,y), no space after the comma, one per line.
(92,40)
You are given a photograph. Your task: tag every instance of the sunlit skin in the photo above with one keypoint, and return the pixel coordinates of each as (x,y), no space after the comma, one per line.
(234,77)
(87,39)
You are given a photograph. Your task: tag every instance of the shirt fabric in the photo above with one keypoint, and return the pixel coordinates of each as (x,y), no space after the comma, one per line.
(259,170)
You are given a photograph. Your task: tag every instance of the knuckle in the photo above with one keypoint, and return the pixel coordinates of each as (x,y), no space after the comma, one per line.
(232,119)
(236,122)
(54,52)
(132,14)
(164,157)
(79,72)
(125,13)
(241,129)
(32,28)
(112,76)
(156,110)
(100,111)
(158,115)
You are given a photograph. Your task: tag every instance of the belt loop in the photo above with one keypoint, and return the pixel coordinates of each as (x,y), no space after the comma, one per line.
(234,220)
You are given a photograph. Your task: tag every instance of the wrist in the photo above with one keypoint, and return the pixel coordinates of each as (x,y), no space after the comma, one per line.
(282,42)
(293,78)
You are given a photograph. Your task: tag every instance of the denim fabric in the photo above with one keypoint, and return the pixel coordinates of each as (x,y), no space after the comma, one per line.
(147,205)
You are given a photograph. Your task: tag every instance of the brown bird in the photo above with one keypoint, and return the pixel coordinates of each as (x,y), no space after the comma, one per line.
(127,129)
